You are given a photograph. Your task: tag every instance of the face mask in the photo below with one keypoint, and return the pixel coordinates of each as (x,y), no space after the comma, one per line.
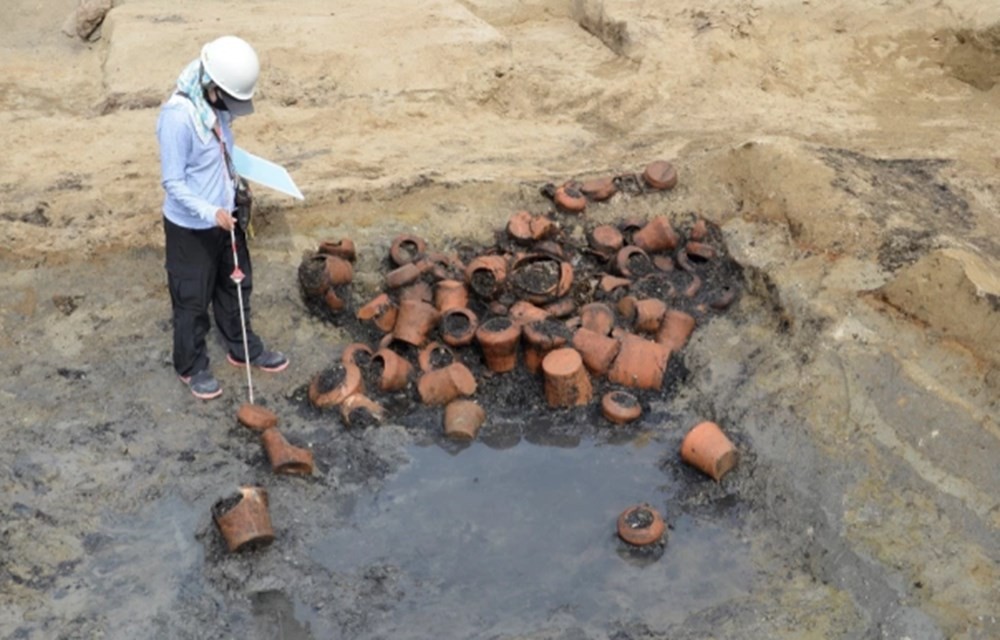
(218,103)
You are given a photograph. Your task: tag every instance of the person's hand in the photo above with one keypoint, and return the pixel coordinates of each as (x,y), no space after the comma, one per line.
(225,219)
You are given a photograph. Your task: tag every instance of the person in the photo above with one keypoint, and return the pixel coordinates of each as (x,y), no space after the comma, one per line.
(196,141)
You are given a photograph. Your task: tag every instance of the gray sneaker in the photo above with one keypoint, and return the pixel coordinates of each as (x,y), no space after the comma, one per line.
(203,385)
(271,361)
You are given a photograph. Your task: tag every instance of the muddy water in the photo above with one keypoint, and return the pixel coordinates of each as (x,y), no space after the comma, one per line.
(510,538)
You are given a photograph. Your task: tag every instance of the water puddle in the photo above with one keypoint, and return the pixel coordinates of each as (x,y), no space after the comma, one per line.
(142,563)
(507,540)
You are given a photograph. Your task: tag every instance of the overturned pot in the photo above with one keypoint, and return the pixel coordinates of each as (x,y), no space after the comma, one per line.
(707,448)
(256,417)
(462,419)
(332,385)
(360,411)
(443,385)
(286,458)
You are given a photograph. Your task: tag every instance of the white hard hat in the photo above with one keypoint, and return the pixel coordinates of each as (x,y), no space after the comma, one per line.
(233,66)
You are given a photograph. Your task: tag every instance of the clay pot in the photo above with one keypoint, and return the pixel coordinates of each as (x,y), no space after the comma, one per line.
(640,364)
(550,248)
(562,308)
(340,248)
(256,417)
(699,251)
(415,321)
(380,311)
(356,353)
(338,271)
(694,287)
(540,279)
(699,231)
(620,407)
(522,313)
(524,227)
(285,458)
(725,298)
(333,301)
(570,199)
(539,339)
(458,327)
(462,419)
(660,174)
(486,275)
(663,263)
(434,356)
(396,369)
(597,350)
(657,235)
(610,283)
(641,525)
(649,314)
(675,329)
(419,290)
(632,262)
(244,519)
(498,339)
(606,240)
(359,410)
(599,189)
(598,317)
(404,275)
(406,249)
(444,266)
(450,294)
(707,448)
(322,394)
(312,276)
(567,383)
(443,385)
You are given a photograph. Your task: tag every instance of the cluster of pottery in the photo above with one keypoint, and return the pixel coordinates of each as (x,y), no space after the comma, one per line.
(706,448)
(243,519)
(574,195)
(520,300)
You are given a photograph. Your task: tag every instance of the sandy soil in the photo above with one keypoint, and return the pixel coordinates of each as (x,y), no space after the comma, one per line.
(847,151)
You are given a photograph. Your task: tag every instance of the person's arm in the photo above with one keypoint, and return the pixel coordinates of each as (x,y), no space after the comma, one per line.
(174,134)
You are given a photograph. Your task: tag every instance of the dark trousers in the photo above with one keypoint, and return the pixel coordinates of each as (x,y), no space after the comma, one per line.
(199,269)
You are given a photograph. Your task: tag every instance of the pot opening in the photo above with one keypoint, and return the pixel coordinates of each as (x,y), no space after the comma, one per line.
(537,278)
(456,324)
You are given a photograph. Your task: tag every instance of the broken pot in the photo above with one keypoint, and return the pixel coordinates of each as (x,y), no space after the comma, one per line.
(443,385)
(395,368)
(360,411)
(486,275)
(331,386)
(380,311)
(640,364)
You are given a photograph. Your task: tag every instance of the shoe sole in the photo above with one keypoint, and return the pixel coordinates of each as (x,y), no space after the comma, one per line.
(236,363)
(200,396)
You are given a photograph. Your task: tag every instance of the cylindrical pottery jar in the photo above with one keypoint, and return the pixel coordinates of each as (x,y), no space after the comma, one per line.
(641,525)
(462,419)
(567,383)
(706,447)
(286,458)
(498,338)
(243,519)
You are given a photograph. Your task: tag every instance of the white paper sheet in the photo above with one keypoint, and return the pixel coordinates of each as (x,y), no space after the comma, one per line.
(265,172)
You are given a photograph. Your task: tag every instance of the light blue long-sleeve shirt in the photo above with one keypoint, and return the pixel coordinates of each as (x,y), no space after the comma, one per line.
(194,173)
